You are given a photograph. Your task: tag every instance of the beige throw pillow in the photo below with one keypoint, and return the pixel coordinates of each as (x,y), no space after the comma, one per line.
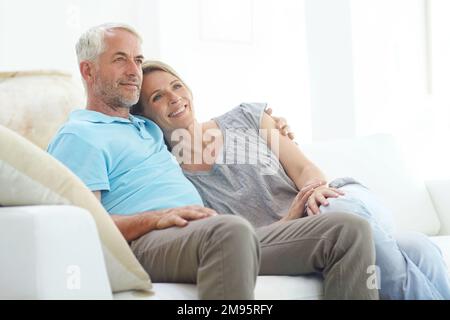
(30,176)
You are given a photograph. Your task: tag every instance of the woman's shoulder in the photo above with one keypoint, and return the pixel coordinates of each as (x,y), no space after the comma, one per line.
(245,115)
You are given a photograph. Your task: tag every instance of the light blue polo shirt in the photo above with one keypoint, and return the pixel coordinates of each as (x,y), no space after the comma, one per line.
(126,159)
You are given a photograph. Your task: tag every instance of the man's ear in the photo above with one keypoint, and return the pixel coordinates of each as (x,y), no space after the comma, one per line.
(87,71)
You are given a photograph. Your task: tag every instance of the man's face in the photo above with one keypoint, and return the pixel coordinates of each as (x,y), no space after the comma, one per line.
(117,76)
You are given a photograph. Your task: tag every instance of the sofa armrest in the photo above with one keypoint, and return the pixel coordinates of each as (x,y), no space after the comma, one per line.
(439,192)
(51,252)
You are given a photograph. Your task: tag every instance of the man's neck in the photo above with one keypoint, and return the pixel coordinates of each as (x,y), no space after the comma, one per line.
(109,110)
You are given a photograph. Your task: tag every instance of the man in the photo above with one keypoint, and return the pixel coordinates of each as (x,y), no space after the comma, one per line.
(124,161)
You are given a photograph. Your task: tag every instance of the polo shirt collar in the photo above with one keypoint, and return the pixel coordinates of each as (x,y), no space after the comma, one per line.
(98,117)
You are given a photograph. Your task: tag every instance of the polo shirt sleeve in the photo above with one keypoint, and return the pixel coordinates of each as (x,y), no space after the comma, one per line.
(82,158)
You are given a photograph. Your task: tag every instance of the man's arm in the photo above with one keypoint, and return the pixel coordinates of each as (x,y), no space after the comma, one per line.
(135,225)
(98,195)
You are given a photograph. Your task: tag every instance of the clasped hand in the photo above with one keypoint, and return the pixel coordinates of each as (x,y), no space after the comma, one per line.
(310,198)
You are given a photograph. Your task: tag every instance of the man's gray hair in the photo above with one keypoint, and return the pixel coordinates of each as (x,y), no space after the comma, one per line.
(91,43)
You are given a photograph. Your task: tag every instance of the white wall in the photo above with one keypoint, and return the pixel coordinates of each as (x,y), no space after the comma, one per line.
(391,79)
(331,68)
(389,63)
(42,34)
(334,68)
(438,148)
(440,47)
(31,37)
(229,51)
(240,51)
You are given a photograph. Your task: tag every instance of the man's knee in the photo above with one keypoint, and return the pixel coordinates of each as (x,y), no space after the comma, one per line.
(234,230)
(350,227)
(231,226)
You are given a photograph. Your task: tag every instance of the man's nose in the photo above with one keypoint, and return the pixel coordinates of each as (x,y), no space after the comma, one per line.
(134,68)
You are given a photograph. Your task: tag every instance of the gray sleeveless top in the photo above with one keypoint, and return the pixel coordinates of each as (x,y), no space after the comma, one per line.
(247,179)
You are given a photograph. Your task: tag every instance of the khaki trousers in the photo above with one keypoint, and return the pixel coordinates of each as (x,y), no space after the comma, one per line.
(339,246)
(224,254)
(221,254)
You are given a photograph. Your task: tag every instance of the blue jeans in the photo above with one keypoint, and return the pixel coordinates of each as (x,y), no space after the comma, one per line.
(410,265)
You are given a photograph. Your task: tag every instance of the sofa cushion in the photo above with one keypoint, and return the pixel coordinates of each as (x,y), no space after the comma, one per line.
(30,176)
(36,103)
(376,161)
(308,287)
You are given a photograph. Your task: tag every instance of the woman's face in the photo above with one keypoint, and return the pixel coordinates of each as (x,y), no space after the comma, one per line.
(166,101)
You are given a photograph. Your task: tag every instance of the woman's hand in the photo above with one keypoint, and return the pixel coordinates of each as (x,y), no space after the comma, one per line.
(319,197)
(297,209)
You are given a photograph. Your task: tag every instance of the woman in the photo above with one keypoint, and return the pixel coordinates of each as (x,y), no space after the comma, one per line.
(267,179)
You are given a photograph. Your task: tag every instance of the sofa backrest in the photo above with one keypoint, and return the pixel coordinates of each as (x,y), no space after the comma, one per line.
(376,161)
(35,104)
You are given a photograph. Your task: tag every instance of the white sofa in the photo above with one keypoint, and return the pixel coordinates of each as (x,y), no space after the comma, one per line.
(53,252)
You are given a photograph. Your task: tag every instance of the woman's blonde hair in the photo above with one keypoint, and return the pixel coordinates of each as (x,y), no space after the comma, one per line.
(154,65)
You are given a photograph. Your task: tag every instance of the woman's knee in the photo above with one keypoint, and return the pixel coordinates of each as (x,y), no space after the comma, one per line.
(345,205)
(417,246)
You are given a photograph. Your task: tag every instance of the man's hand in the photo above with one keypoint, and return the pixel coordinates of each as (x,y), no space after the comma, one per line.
(135,225)
(281,124)
(179,217)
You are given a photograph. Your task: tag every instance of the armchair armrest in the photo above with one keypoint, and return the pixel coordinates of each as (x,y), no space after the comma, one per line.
(51,252)
(439,192)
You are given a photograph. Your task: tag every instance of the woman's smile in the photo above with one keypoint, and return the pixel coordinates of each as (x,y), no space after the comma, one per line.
(179,112)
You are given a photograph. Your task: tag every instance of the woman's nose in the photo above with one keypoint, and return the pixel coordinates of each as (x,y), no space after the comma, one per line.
(174,98)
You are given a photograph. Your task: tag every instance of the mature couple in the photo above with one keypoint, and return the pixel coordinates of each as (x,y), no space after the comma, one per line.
(218,224)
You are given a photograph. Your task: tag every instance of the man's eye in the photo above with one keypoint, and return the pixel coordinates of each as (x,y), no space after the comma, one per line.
(156,98)
(139,62)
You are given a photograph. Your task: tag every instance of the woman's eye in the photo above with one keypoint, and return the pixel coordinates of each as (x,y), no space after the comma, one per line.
(177,86)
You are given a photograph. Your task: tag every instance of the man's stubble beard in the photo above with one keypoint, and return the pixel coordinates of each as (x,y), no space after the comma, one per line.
(109,93)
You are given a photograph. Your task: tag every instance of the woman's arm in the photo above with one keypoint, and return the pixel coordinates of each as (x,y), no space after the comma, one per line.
(300,169)
(297,166)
